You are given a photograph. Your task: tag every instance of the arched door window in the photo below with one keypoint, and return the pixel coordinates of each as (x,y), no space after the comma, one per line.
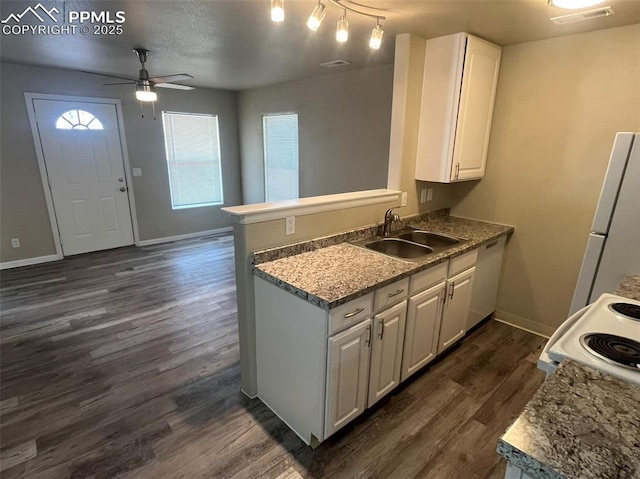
(78,120)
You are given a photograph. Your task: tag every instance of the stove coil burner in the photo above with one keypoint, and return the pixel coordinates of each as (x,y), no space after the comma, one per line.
(627,309)
(614,349)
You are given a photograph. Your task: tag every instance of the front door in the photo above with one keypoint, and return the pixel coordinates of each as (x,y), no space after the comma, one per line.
(85,170)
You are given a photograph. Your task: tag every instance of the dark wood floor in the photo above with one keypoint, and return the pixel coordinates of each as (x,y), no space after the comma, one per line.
(125,363)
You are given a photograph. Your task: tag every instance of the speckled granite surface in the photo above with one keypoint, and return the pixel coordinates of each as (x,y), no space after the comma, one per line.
(629,287)
(581,424)
(350,236)
(330,276)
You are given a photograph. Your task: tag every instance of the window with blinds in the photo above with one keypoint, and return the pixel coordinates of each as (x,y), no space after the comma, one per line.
(192,142)
(280,134)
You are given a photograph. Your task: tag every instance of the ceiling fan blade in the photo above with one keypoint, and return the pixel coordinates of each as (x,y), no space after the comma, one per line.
(171,78)
(120,83)
(175,86)
(110,76)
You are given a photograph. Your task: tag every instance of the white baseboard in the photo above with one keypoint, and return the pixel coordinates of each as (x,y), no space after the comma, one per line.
(524,324)
(169,239)
(29,261)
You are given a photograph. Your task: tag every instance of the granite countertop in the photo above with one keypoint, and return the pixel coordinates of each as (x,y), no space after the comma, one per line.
(335,274)
(629,287)
(581,424)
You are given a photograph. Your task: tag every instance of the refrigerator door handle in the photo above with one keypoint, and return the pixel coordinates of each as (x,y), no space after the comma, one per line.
(588,272)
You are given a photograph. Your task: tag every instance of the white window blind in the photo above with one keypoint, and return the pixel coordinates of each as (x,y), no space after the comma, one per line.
(280,133)
(192,143)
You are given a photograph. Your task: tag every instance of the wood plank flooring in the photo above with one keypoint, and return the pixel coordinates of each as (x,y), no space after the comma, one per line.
(125,363)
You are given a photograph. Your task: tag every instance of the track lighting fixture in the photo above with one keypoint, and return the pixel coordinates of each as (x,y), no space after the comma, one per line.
(376,37)
(316,17)
(277,10)
(342,30)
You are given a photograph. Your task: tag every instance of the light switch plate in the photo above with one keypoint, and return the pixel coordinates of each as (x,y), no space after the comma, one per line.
(136,171)
(423,195)
(404,198)
(430,194)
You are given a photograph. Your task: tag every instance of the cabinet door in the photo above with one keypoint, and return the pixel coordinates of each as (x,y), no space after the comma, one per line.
(421,334)
(347,376)
(456,309)
(386,352)
(479,81)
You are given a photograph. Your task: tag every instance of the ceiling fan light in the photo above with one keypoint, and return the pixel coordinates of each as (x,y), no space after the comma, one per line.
(342,33)
(574,4)
(376,37)
(277,11)
(146,93)
(316,17)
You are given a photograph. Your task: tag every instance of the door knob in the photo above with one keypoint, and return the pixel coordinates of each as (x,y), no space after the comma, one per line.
(122,188)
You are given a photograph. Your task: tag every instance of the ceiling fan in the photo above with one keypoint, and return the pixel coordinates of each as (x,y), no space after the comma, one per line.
(146,85)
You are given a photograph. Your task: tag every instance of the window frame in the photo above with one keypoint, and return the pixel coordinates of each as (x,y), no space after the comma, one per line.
(220,177)
(264,151)
(78,126)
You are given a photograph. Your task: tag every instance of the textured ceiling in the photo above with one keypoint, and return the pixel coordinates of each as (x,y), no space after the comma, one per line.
(233,44)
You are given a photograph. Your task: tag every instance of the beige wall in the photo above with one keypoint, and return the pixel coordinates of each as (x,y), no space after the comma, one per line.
(558,106)
(343,121)
(23,210)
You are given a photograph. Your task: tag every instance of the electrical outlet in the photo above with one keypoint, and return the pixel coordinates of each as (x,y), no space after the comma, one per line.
(423,195)
(290,225)
(15,242)
(136,171)
(430,194)
(404,198)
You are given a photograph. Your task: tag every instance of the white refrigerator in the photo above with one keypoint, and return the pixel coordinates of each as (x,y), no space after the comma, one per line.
(613,249)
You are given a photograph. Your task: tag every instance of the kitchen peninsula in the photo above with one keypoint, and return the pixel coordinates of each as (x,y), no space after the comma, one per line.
(339,326)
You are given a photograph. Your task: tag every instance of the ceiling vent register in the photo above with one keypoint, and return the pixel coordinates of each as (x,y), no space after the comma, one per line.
(581,16)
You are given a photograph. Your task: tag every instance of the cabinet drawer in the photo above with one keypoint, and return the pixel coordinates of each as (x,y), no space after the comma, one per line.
(428,277)
(460,263)
(350,313)
(391,294)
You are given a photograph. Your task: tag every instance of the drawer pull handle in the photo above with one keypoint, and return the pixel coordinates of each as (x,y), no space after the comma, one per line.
(453,289)
(353,313)
(400,291)
(491,245)
(381,327)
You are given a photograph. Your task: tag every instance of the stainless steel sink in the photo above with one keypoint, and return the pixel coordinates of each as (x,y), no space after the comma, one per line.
(427,238)
(399,248)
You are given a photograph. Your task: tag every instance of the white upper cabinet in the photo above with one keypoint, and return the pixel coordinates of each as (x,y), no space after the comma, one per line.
(458,93)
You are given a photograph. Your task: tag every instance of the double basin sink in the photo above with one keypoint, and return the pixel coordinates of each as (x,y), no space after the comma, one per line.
(410,244)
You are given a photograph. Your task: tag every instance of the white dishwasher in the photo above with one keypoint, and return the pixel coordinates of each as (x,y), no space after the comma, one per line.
(486,280)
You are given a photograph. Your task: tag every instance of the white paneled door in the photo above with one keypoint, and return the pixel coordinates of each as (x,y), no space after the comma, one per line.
(85,171)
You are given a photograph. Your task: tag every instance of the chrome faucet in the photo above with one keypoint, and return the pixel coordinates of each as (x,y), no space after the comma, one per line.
(389,218)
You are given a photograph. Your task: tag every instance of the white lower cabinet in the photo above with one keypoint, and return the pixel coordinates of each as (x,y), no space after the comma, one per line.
(318,370)
(347,375)
(386,351)
(456,308)
(423,322)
